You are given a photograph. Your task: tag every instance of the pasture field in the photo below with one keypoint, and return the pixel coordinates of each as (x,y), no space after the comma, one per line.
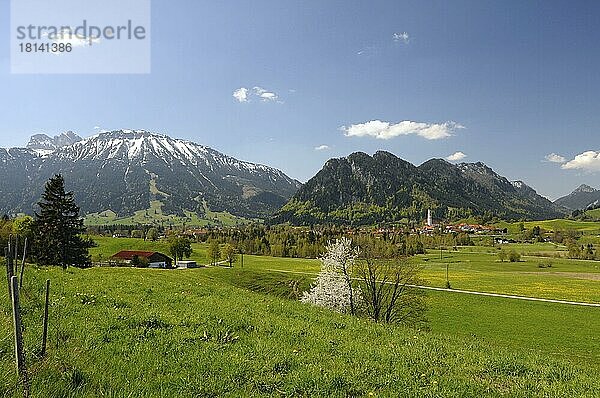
(587,227)
(475,268)
(171,333)
(593,213)
(554,329)
(468,269)
(218,331)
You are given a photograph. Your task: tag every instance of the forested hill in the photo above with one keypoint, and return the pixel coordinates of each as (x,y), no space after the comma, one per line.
(364,189)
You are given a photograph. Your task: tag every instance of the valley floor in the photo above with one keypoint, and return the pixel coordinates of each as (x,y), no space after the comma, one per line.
(238,332)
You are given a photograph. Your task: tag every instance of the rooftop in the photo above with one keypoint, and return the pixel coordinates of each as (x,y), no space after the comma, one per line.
(129,254)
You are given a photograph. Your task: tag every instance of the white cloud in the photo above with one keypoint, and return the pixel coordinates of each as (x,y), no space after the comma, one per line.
(457,156)
(555,158)
(402,37)
(97,127)
(268,96)
(370,51)
(264,94)
(385,130)
(587,161)
(241,94)
(322,148)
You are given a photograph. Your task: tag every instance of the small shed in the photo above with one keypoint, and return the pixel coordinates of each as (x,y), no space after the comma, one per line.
(155,259)
(183,264)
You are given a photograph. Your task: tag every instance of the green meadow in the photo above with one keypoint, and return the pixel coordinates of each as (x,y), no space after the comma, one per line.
(217,331)
(587,227)
(468,269)
(154,215)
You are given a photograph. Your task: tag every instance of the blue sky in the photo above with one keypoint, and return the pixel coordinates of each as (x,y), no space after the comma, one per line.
(504,82)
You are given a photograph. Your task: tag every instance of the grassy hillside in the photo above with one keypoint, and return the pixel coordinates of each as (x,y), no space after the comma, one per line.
(241,331)
(500,322)
(139,332)
(155,216)
(595,213)
(588,227)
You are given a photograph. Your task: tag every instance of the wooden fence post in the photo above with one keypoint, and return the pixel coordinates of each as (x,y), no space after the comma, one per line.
(9,258)
(7,272)
(23,264)
(19,354)
(16,254)
(45,332)
(9,269)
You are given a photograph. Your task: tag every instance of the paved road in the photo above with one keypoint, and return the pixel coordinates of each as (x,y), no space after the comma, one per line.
(595,262)
(439,289)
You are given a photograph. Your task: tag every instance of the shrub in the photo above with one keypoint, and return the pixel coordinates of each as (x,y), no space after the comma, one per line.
(514,256)
(502,255)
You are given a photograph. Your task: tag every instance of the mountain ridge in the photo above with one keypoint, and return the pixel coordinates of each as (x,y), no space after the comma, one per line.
(366,189)
(581,198)
(124,170)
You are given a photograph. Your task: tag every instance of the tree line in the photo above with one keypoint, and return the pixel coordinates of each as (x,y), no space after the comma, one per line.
(304,242)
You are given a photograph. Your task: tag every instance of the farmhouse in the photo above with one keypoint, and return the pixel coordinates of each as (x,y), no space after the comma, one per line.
(155,259)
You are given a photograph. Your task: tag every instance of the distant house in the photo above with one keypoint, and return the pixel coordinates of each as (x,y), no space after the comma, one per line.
(155,259)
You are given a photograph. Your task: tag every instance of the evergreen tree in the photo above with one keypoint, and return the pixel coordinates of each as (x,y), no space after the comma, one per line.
(57,228)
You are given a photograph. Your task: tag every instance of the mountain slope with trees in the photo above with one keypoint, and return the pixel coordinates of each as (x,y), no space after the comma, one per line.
(580,199)
(363,189)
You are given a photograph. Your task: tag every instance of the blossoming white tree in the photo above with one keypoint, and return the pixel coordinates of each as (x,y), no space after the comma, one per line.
(333,288)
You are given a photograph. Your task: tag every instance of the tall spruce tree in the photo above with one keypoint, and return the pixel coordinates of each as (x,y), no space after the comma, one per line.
(58,228)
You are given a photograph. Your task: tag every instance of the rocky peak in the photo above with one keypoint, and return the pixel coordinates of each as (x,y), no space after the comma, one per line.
(46,143)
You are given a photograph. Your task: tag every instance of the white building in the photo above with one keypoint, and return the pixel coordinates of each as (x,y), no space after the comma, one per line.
(186,264)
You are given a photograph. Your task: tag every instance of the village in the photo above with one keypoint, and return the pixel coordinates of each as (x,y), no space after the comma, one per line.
(431,227)
(153,259)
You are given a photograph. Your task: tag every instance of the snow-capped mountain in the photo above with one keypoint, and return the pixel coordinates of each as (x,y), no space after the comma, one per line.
(125,170)
(44,143)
